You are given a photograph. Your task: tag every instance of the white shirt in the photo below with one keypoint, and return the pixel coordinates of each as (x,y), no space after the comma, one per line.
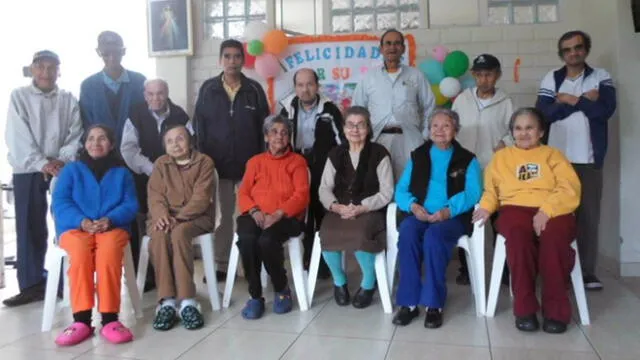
(41,126)
(306,129)
(130,146)
(482,103)
(572,134)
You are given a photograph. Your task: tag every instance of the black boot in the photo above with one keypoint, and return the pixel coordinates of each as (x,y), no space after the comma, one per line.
(527,323)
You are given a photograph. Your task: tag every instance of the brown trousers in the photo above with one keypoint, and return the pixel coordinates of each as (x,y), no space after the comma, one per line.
(172,257)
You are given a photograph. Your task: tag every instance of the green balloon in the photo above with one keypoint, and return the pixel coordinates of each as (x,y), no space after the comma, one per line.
(255,47)
(456,64)
(448,105)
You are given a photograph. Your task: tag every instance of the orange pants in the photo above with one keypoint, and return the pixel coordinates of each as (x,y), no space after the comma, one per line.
(95,253)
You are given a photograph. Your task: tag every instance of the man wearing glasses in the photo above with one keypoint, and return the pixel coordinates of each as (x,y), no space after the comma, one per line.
(578,100)
(42,134)
(107,96)
(399,99)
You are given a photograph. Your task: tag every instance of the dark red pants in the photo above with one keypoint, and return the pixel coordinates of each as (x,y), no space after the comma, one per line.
(550,255)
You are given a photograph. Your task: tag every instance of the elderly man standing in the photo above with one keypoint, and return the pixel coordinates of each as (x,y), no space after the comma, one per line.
(107,96)
(141,141)
(228,119)
(399,99)
(317,128)
(43,133)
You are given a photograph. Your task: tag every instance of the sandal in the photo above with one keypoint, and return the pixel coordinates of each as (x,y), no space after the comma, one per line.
(116,333)
(166,318)
(74,334)
(192,318)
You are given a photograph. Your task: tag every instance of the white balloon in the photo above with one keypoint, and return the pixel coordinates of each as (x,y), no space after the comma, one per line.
(255,30)
(450,87)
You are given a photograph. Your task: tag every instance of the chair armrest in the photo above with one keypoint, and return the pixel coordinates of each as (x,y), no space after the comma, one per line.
(392,223)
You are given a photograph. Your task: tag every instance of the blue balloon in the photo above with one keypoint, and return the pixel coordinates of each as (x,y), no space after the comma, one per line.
(467,81)
(433,70)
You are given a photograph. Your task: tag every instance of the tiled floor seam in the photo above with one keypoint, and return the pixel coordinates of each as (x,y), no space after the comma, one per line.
(386,354)
(302,331)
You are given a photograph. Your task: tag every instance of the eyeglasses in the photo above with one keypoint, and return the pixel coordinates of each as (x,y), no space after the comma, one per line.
(352,126)
(579,47)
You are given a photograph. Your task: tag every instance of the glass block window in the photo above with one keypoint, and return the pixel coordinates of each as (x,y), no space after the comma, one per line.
(227,18)
(373,15)
(522,11)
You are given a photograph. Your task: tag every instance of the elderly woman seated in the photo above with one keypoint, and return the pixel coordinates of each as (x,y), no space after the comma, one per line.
(535,191)
(356,186)
(439,187)
(181,207)
(93,204)
(272,199)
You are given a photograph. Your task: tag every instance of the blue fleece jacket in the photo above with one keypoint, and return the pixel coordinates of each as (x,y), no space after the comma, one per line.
(94,103)
(437,197)
(78,195)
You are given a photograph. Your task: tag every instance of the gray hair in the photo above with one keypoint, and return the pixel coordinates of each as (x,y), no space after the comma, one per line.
(455,118)
(271,120)
(157,80)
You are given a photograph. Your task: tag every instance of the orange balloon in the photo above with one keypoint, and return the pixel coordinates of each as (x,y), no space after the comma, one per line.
(275,41)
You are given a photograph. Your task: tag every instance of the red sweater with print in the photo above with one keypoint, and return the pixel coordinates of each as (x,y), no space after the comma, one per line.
(271,183)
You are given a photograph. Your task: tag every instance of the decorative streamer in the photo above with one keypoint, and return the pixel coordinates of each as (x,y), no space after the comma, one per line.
(516,71)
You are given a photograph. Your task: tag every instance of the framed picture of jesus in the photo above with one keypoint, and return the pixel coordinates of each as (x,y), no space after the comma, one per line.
(169,26)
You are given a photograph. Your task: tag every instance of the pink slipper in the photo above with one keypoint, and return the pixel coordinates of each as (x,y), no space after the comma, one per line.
(74,334)
(116,333)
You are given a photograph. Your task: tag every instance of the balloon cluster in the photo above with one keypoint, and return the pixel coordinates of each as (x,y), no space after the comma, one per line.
(262,47)
(447,74)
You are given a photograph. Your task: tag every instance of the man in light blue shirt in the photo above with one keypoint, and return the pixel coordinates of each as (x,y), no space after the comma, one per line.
(399,99)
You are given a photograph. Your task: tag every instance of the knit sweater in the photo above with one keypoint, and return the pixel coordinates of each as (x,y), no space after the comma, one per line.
(78,196)
(275,183)
(540,177)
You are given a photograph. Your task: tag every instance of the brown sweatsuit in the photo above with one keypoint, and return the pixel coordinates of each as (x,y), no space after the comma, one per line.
(185,193)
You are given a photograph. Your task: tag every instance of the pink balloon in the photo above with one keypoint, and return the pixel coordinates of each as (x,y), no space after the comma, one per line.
(267,65)
(439,53)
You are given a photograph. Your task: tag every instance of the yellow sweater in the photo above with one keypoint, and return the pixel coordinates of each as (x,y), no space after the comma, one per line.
(541,178)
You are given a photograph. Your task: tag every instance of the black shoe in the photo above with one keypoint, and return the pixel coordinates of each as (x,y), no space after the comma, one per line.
(553,326)
(527,323)
(404,316)
(592,283)
(463,277)
(27,296)
(433,320)
(341,295)
(363,298)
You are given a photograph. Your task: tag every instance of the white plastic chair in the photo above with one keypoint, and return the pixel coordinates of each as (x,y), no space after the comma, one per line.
(206,243)
(294,246)
(499,259)
(54,259)
(381,275)
(473,248)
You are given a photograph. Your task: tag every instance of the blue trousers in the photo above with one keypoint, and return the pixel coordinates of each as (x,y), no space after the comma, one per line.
(432,244)
(30,192)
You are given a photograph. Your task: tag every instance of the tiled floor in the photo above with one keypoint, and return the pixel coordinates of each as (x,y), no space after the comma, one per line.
(327,331)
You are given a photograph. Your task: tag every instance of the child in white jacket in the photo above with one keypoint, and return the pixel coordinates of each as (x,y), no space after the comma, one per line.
(484,121)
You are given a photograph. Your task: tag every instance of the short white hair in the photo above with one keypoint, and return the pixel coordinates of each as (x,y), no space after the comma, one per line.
(455,118)
(157,80)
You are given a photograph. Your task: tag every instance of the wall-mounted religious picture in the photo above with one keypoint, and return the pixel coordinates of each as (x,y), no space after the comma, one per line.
(169,27)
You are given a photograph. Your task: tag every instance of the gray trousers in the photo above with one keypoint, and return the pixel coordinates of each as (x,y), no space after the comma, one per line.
(224,233)
(588,215)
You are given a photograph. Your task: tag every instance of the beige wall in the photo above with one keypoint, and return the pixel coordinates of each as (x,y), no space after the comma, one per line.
(616,48)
